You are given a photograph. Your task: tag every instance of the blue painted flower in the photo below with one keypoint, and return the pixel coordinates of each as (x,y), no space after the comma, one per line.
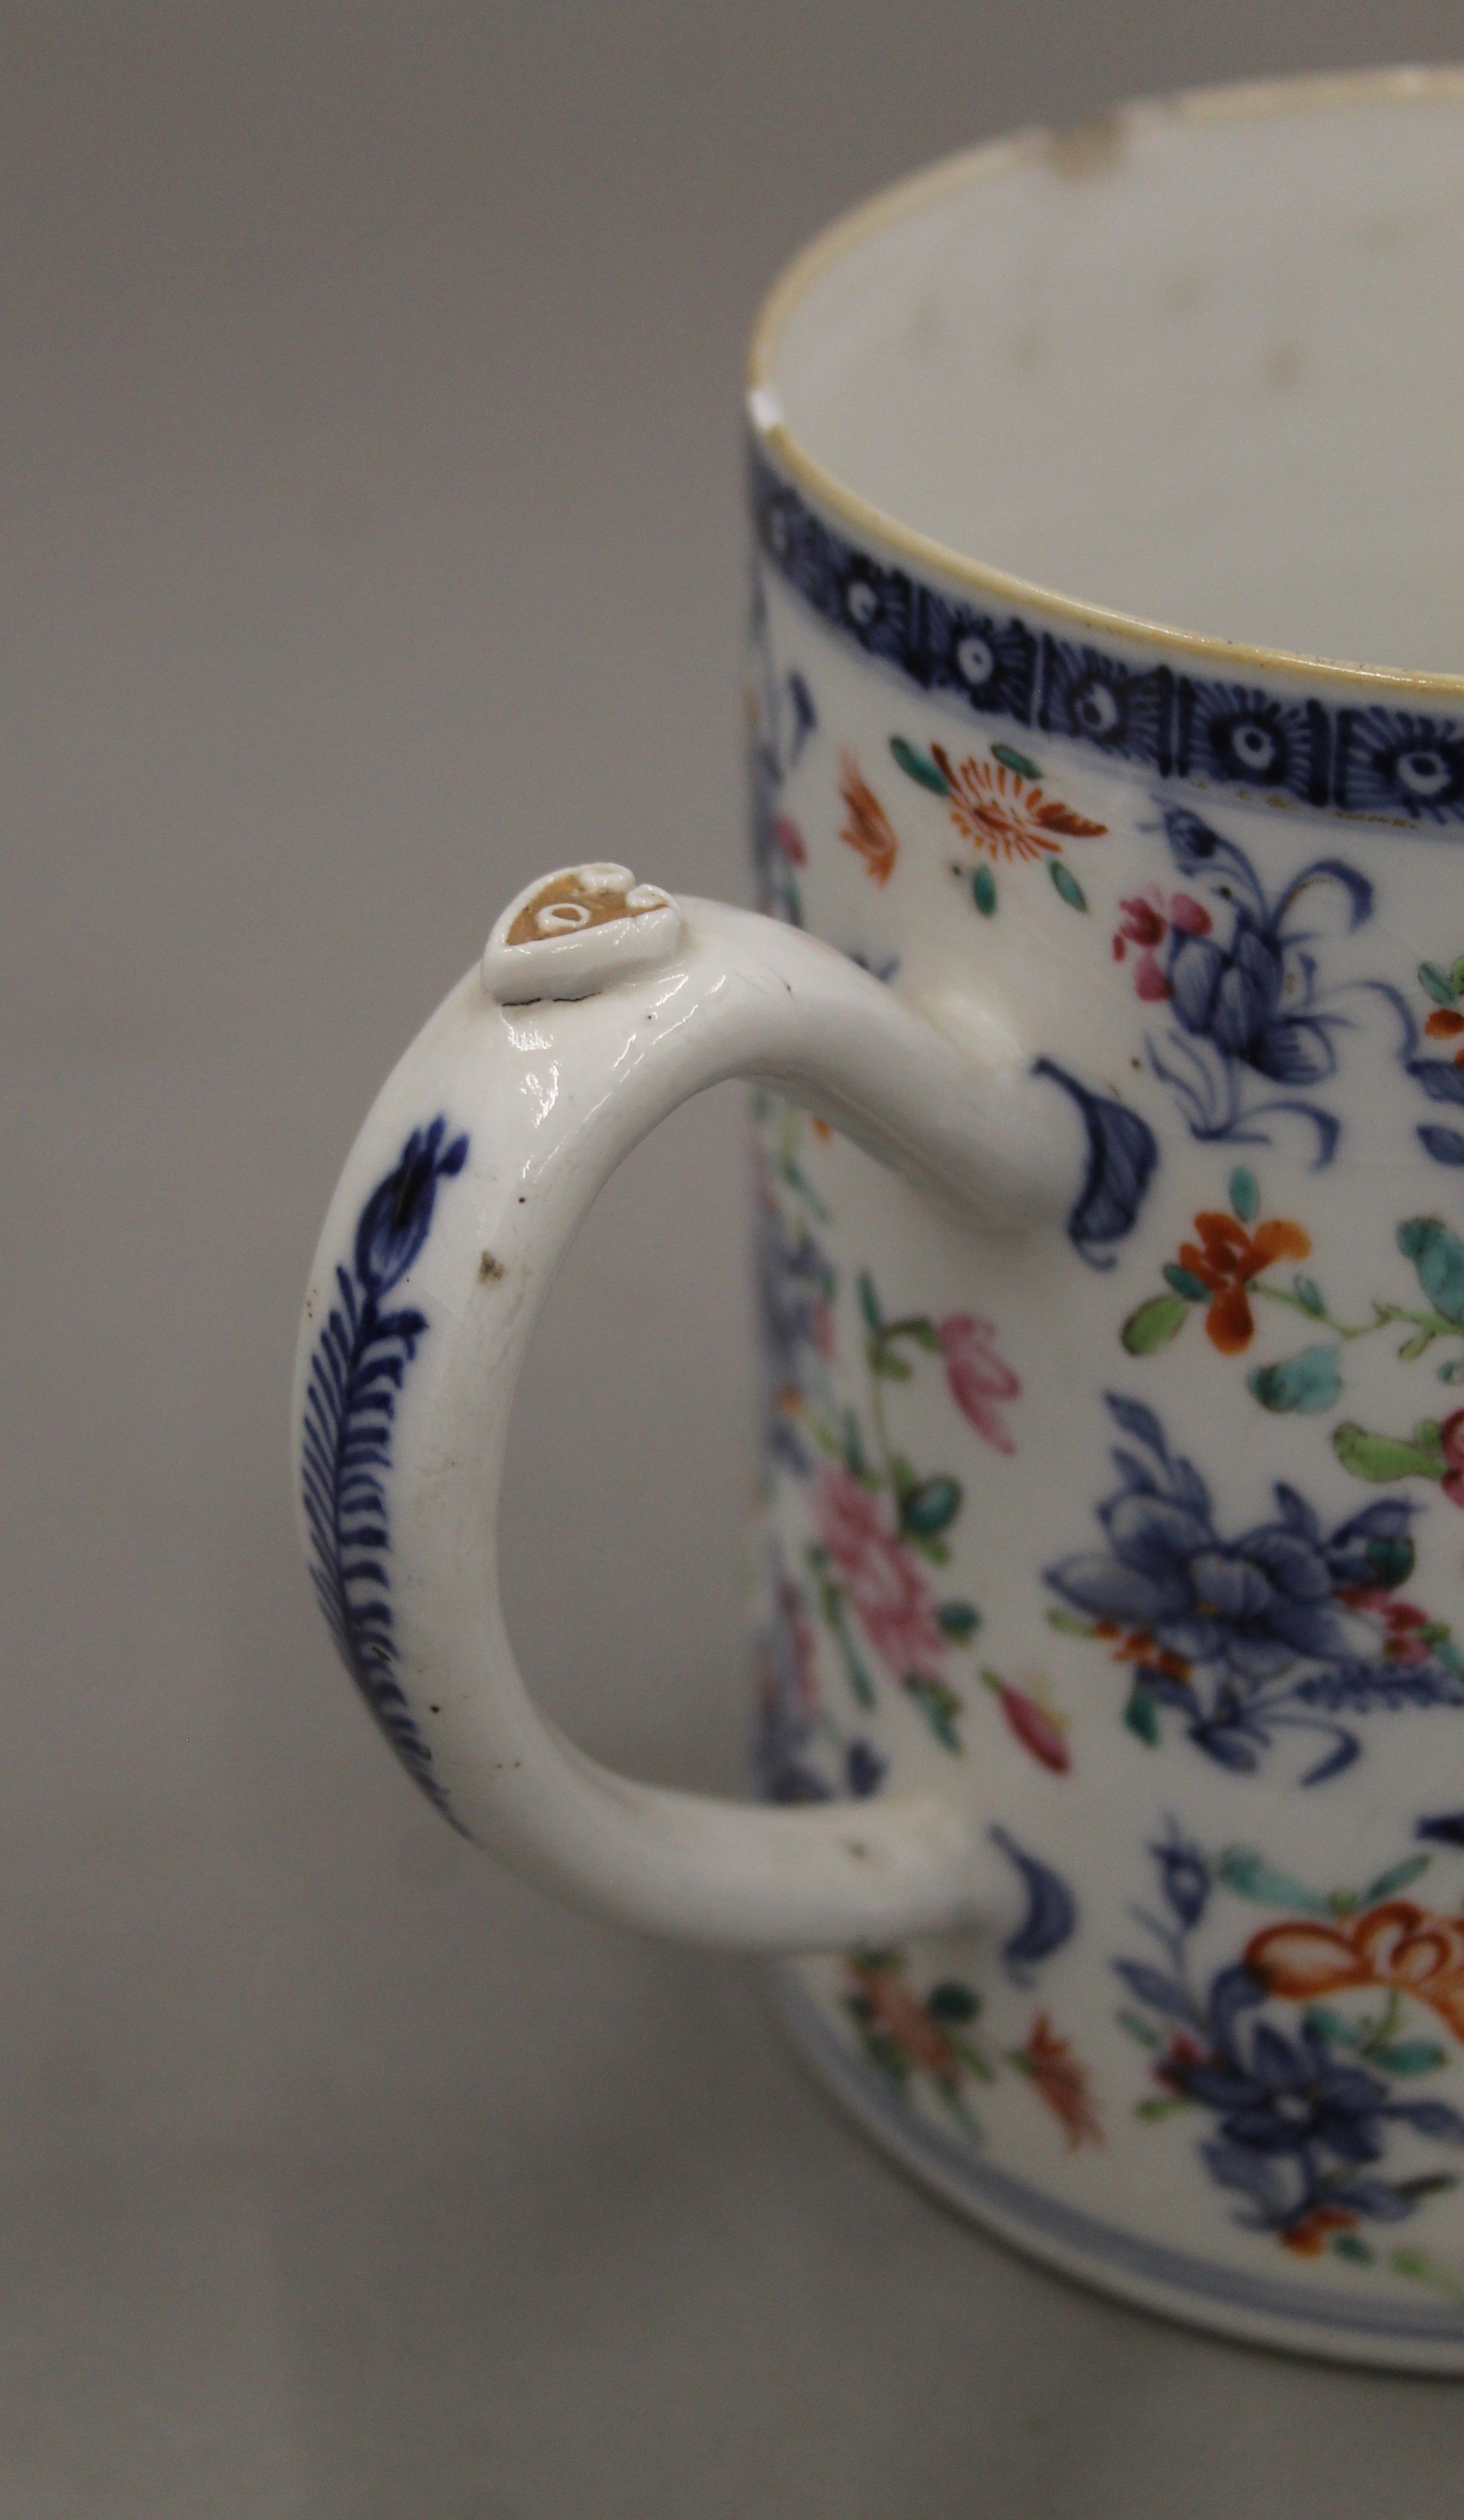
(1249,1003)
(1251,1606)
(1244,1635)
(1303,2106)
(397,1217)
(1297,2122)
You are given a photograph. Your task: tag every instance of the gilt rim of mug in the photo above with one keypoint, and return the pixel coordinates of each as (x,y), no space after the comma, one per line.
(1326,92)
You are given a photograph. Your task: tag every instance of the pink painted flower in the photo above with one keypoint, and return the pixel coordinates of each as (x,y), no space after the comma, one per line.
(889,1595)
(1038,1726)
(791,841)
(978,1376)
(1451,1436)
(1408,1633)
(1147,919)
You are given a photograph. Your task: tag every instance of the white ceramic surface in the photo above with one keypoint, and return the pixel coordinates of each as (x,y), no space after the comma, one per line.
(1108,1563)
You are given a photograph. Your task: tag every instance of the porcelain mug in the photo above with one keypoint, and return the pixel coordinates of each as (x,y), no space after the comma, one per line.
(1104,1013)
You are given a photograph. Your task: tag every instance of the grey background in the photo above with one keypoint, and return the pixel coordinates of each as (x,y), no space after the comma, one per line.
(369,491)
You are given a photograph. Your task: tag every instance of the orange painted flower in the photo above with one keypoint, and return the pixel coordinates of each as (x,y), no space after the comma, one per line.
(1136,1645)
(894,2013)
(1006,814)
(1397,1945)
(867,829)
(1309,2237)
(1446,1023)
(1227,1258)
(1057,2078)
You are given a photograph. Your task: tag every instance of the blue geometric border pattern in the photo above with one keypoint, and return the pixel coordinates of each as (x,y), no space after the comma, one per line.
(1079,2235)
(1391,765)
(357,1368)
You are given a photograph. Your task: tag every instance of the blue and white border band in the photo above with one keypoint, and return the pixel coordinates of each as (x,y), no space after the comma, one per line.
(1391,765)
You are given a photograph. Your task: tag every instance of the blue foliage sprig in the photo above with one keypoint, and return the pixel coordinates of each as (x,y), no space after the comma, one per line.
(357,1368)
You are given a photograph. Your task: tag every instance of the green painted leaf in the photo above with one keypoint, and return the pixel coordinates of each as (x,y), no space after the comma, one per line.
(1438,1257)
(1382,1457)
(1068,1624)
(1454,1371)
(1245,1193)
(1303,1385)
(1397,1877)
(1390,1559)
(952,2002)
(1249,1875)
(1185,1282)
(1309,1295)
(1065,883)
(919,766)
(1456,975)
(960,1620)
(1155,1324)
(1347,2245)
(930,1506)
(984,890)
(1409,2056)
(860,1684)
(869,1302)
(924,1333)
(1142,2031)
(1012,759)
(890,1367)
(1141,1714)
(940,1705)
(1440,987)
(1324,2023)
(1414,1347)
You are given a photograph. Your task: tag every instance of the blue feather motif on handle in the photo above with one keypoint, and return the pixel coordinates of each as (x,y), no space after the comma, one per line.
(356,1373)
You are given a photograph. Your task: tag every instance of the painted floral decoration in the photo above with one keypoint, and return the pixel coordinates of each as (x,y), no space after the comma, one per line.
(1060,2082)
(1254,1024)
(1306,2103)
(1001,808)
(881,1528)
(979,1379)
(933,2038)
(1282,1629)
(1147,919)
(866,828)
(801,1755)
(781,718)
(1221,1271)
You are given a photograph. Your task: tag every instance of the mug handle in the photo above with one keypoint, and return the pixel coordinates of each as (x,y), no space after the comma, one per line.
(600,1006)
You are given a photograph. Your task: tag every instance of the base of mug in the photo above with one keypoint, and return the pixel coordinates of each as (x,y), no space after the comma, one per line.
(1406,2336)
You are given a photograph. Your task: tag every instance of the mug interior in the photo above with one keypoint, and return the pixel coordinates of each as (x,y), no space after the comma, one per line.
(1199,362)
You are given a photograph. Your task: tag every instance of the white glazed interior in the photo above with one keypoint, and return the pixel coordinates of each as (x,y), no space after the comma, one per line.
(1197,363)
